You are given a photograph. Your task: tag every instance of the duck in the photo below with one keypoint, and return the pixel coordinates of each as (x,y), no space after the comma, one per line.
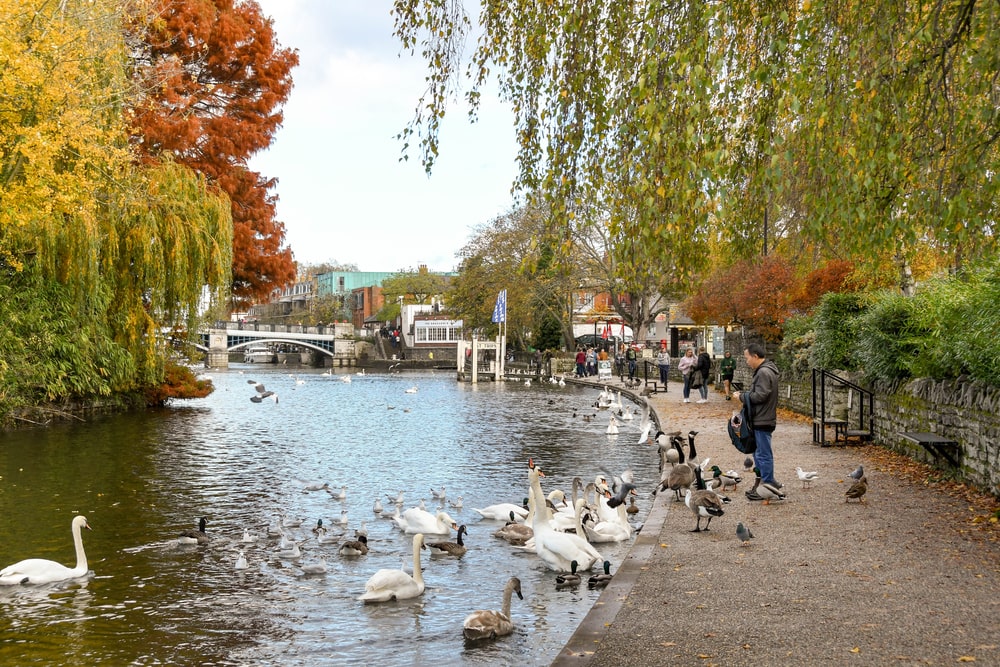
(601,579)
(725,480)
(857,490)
(703,502)
(456,548)
(557,550)
(358,547)
(570,578)
(194,536)
(806,477)
(241,561)
(632,508)
(387,584)
(514,532)
(766,491)
(490,624)
(319,530)
(42,571)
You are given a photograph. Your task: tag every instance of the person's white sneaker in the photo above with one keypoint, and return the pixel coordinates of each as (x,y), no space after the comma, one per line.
(703,401)
(686,400)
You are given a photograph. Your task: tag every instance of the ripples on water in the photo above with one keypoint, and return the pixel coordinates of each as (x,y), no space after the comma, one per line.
(141,479)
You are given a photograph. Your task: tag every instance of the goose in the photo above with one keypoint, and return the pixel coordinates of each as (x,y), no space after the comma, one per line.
(421,521)
(241,561)
(490,624)
(42,571)
(456,548)
(377,507)
(319,567)
(457,503)
(557,550)
(501,511)
(194,536)
(358,547)
(806,477)
(570,578)
(703,503)
(514,532)
(387,585)
(601,579)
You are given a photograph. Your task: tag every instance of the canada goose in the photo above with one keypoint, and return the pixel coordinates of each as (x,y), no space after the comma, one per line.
(358,547)
(456,548)
(703,503)
(515,533)
(490,624)
(194,536)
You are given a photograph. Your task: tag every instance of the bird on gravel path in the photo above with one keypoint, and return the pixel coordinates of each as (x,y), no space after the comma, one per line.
(806,477)
(858,473)
(743,534)
(857,490)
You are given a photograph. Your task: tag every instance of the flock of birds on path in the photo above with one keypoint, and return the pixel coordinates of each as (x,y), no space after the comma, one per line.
(561,531)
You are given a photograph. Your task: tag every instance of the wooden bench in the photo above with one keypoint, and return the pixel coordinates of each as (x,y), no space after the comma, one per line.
(839,429)
(938,445)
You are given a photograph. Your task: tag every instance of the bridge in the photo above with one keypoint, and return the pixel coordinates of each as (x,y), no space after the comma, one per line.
(222,338)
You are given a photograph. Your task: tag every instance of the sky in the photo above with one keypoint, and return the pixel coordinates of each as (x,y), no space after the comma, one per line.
(343,194)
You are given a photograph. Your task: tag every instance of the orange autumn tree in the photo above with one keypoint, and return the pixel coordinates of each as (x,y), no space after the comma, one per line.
(211,79)
(762,293)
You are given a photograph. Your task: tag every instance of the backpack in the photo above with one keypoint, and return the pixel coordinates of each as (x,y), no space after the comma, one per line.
(740,428)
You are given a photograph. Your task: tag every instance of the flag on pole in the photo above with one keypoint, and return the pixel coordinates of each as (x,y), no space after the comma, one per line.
(607,331)
(500,309)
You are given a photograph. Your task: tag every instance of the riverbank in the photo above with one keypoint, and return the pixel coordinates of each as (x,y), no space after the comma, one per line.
(908,577)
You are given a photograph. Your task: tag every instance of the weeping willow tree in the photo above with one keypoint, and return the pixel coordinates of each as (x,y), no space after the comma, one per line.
(813,121)
(95,254)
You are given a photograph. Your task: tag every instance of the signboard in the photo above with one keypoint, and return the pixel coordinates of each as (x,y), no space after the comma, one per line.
(604,369)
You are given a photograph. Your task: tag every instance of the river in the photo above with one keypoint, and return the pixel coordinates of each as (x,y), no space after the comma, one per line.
(141,478)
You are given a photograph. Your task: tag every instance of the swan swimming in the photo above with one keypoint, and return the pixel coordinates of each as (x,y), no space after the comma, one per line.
(387,585)
(42,571)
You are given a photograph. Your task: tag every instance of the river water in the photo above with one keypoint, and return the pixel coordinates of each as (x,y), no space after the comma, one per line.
(142,478)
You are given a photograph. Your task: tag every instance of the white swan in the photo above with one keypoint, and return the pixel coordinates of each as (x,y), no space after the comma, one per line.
(412,390)
(345,378)
(501,511)
(490,624)
(387,585)
(612,426)
(558,550)
(416,520)
(42,571)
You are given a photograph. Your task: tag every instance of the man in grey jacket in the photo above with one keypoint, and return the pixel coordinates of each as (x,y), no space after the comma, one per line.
(763,397)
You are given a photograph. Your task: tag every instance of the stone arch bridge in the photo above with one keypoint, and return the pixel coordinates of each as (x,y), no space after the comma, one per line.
(219,340)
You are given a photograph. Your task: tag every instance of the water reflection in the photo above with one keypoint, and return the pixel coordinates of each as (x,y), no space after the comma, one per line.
(141,479)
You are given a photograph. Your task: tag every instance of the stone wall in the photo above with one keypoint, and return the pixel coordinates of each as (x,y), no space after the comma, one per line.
(963,410)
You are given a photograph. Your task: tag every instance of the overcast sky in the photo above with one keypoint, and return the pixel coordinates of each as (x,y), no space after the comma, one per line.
(344,195)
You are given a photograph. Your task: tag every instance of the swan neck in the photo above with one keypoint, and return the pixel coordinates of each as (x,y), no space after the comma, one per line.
(81,557)
(508,590)
(540,504)
(418,576)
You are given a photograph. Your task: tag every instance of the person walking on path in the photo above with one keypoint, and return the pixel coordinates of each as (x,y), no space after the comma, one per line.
(663,363)
(763,396)
(705,368)
(728,369)
(581,363)
(631,356)
(687,366)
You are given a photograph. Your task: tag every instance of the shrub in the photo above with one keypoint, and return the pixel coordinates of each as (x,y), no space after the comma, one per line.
(835,322)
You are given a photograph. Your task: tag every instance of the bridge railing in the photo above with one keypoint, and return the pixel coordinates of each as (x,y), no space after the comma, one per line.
(340,330)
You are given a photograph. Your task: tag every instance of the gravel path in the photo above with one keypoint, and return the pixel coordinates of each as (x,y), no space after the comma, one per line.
(910,577)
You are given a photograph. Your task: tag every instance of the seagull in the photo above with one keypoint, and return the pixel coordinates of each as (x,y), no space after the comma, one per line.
(241,561)
(439,495)
(377,508)
(317,486)
(858,473)
(743,534)
(412,390)
(262,393)
(319,567)
(806,477)
(457,504)
(339,495)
